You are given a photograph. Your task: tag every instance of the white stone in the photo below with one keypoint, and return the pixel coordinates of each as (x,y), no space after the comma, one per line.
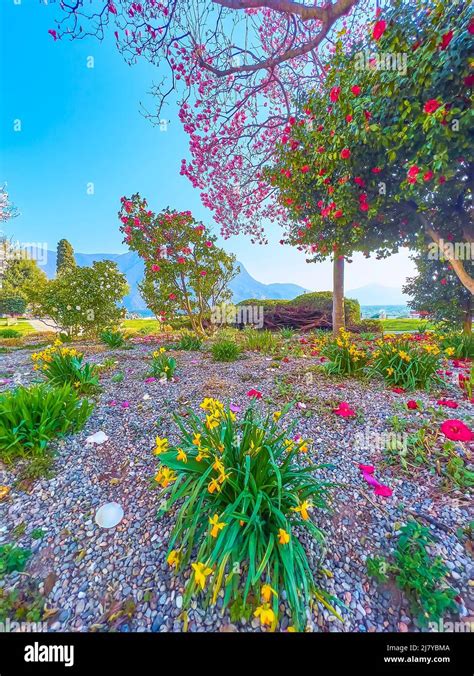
(109,515)
(97,438)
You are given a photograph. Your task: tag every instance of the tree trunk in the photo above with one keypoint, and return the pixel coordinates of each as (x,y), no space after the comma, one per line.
(457,265)
(338,316)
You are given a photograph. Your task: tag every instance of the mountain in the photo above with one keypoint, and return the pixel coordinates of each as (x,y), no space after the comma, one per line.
(243,285)
(377,294)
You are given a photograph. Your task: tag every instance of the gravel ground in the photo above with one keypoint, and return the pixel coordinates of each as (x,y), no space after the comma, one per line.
(90,573)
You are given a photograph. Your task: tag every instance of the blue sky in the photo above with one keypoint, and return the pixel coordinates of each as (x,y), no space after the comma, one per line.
(82,126)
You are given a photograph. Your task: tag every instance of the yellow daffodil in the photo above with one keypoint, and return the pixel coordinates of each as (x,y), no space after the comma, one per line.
(303,447)
(267,592)
(201,572)
(449,351)
(276,416)
(197,440)
(161,445)
(283,537)
(165,477)
(4,492)
(181,456)
(303,509)
(289,443)
(213,486)
(202,454)
(389,370)
(266,615)
(211,422)
(216,525)
(173,558)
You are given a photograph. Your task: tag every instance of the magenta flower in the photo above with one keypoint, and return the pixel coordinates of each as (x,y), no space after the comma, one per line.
(254,394)
(344,410)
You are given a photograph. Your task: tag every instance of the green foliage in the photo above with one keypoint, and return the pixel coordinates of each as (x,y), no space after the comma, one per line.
(31,417)
(24,279)
(162,365)
(185,272)
(64,365)
(11,305)
(225,349)
(22,605)
(261,340)
(12,558)
(402,363)
(65,260)
(113,338)
(244,502)
(287,333)
(10,333)
(84,300)
(437,291)
(461,343)
(190,342)
(419,574)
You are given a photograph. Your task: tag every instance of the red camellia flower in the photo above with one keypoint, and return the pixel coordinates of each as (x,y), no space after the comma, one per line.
(412,405)
(345,153)
(172,296)
(376,170)
(448,403)
(305,169)
(334,94)
(203,273)
(356,90)
(344,410)
(349,118)
(379,29)
(470,28)
(469,80)
(446,39)
(443,281)
(359,181)
(398,390)
(367,115)
(431,106)
(456,430)
(428,175)
(155,268)
(254,394)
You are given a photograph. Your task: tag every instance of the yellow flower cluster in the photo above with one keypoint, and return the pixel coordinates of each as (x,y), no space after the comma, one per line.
(158,353)
(165,476)
(42,359)
(432,349)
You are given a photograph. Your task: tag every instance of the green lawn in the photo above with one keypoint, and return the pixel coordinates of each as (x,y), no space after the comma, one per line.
(135,325)
(405,324)
(22,326)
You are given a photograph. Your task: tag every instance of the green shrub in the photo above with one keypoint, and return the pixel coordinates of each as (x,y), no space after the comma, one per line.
(61,365)
(12,558)
(31,417)
(287,333)
(461,344)
(113,338)
(404,363)
(371,326)
(421,576)
(162,366)
(9,333)
(189,341)
(225,350)
(261,340)
(244,502)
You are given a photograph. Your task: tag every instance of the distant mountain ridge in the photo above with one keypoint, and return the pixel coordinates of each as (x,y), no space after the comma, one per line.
(243,285)
(377,294)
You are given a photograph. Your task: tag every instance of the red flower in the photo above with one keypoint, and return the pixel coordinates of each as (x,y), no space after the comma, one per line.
(345,153)
(398,390)
(367,469)
(356,90)
(443,281)
(363,206)
(376,170)
(172,296)
(469,80)
(446,39)
(254,394)
(470,28)
(383,490)
(431,106)
(334,94)
(412,405)
(367,115)
(379,29)
(359,181)
(349,118)
(448,403)
(442,179)
(305,169)
(203,273)
(428,175)
(155,268)
(338,213)
(344,410)
(413,171)
(456,430)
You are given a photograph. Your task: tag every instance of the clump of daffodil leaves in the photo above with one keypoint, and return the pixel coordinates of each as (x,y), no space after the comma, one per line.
(245,490)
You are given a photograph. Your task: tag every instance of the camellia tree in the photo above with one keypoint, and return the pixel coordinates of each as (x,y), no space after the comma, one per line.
(374,161)
(185,272)
(85,300)
(437,292)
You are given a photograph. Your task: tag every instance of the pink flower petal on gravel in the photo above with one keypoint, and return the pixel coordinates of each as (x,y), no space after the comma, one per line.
(383,490)
(367,469)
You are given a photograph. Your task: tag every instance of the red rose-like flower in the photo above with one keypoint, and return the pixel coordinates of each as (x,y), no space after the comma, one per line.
(155,268)
(305,169)
(254,394)
(359,181)
(412,405)
(344,410)
(398,390)
(172,296)
(456,430)
(443,281)
(446,39)
(379,29)
(428,175)
(431,106)
(356,90)
(376,170)
(345,153)
(367,115)
(334,94)
(349,118)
